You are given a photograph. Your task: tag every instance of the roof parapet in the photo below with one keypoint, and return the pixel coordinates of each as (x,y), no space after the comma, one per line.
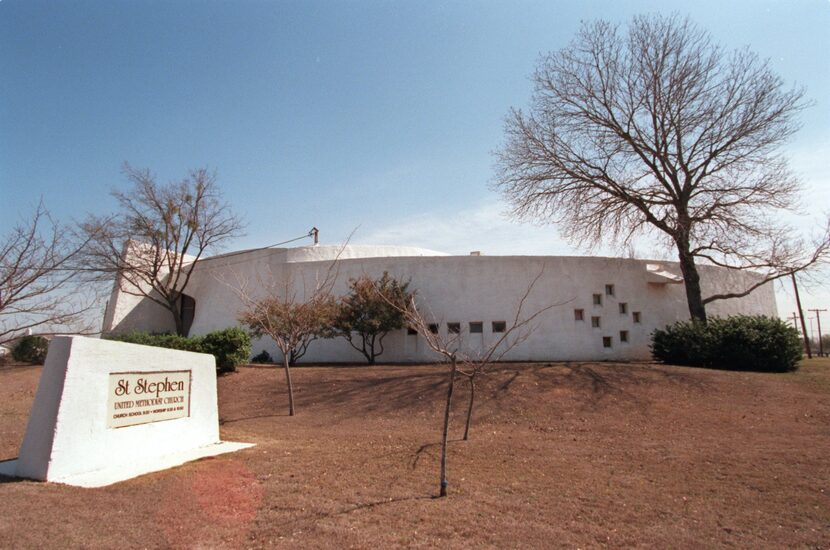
(655,274)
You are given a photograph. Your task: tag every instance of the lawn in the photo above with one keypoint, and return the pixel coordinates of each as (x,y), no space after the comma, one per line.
(571,455)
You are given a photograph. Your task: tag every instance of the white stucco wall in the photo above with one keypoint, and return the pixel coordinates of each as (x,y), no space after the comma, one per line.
(128,309)
(466,289)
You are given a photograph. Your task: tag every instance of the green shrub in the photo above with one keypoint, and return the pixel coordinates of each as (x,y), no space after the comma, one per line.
(170,341)
(31,349)
(756,343)
(262,357)
(686,343)
(742,342)
(231,347)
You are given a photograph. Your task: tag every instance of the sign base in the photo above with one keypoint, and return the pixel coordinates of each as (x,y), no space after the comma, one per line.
(102,478)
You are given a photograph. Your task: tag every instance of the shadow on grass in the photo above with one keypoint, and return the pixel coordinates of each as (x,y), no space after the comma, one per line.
(320,516)
(6,478)
(9,479)
(223,421)
(375,504)
(422,450)
(422,390)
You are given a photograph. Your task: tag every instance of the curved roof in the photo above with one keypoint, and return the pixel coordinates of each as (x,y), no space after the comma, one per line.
(351,251)
(318,253)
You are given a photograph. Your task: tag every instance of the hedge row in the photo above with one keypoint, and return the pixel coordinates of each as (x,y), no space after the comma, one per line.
(742,342)
(230,347)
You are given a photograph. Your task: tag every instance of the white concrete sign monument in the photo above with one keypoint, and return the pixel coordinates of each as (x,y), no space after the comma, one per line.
(108,411)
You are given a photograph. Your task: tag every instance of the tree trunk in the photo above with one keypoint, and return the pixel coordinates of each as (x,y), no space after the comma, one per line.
(470,407)
(177,318)
(444,482)
(286,366)
(803,322)
(691,279)
(174,305)
(371,354)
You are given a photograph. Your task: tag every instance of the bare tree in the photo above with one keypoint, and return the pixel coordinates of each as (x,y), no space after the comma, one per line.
(466,362)
(152,245)
(37,272)
(659,130)
(293,318)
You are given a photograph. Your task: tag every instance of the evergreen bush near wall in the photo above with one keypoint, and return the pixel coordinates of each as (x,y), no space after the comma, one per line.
(262,357)
(31,349)
(742,342)
(686,343)
(169,341)
(231,347)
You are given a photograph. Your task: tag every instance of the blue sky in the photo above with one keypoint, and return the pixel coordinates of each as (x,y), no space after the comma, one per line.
(370,114)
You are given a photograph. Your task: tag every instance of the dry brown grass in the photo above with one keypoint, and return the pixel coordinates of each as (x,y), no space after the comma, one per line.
(572,455)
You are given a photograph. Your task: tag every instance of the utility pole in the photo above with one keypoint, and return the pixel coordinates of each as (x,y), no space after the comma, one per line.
(801,314)
(818,313)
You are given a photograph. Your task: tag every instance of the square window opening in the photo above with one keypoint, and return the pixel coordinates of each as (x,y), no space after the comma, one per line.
(636,316)
(476,327)
(623,336)
(411,331)
(579,315)
(623,308)
(609,290)
(499,326)
(595,322)
(606,341)
(433,328)
(453,328)
(597,299)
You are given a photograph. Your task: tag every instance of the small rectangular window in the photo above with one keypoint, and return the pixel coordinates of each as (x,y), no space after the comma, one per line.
(433,328)
(597,299)
(609,290)
(579,315)
(595,322)
(623,336)
(411,331)
(635,315)
(623,308)
(499,326)
(476,327)
(453,328)
(606,341)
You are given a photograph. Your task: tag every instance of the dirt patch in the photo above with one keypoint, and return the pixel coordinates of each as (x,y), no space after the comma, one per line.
(569,455)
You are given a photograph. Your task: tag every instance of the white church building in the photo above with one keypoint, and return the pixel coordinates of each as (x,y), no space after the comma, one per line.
(606,307)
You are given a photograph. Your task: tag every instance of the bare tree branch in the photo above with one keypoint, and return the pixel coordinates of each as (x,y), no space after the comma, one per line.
(152,246)
(38,280)
(467,362)
(293,319)
(657,129)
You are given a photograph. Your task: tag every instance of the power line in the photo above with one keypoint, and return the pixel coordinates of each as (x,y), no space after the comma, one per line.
(231,254)
(249,251)
(310,234)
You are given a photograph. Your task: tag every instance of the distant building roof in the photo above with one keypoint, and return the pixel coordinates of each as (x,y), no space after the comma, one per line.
(318,253)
